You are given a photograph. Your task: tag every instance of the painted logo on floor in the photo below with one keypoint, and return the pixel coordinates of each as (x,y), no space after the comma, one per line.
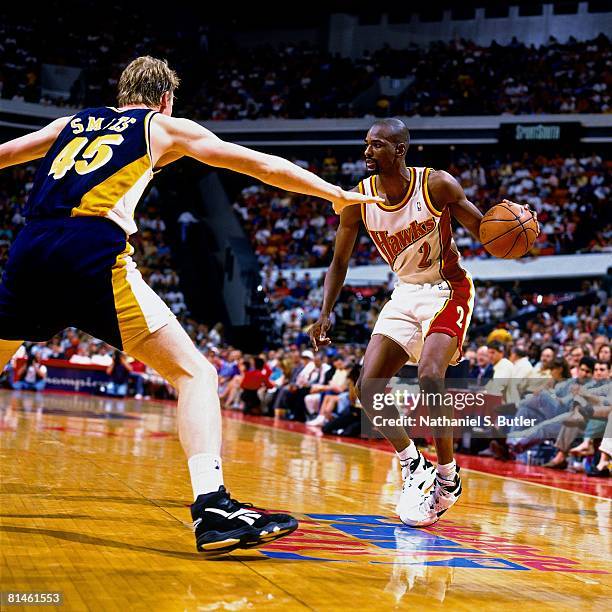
(382,540)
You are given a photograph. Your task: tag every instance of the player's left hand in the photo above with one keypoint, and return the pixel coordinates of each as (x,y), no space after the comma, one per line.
(350,198)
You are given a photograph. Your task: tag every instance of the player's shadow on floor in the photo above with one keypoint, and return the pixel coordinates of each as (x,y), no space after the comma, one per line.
(82,538)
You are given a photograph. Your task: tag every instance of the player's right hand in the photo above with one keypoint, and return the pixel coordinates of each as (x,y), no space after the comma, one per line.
(350,198)
(318,332)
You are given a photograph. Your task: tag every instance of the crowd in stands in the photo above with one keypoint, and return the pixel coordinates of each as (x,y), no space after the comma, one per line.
(571,195)
(462,78)
(302,80)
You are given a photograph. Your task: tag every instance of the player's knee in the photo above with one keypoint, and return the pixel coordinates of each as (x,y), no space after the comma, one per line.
(430,379)
(202,371)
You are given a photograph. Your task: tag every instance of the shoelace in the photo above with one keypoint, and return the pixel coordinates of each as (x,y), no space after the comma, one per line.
(235,502)
(412,465)
(432,503)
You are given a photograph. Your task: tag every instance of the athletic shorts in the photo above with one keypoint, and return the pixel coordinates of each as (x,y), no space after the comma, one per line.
(415,311)
(76,272)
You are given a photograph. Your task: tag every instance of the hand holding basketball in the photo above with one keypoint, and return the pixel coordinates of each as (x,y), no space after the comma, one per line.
(508,230)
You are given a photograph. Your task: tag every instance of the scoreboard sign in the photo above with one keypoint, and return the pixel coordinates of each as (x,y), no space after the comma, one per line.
(517,133)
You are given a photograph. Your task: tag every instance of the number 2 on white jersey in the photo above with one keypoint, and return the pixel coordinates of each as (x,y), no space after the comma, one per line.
(99,152)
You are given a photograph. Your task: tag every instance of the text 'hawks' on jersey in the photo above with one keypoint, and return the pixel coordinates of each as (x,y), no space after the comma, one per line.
(99,165)
(413,237)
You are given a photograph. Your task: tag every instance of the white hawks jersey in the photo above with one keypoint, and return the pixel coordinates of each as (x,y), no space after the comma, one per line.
(412,236)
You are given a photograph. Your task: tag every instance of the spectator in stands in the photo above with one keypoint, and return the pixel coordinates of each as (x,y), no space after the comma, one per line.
(82,354)
(140,377)
(547,356)
(597,396)
(502,370)
(254,381)
(521,375)
(546,406)
(323,398)
(31,376)
(119,372)
(483,371)
(573,355)
(604,354)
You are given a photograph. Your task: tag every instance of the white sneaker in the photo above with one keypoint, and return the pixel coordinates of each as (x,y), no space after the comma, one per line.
(318,421)
(444,495)
(419,476)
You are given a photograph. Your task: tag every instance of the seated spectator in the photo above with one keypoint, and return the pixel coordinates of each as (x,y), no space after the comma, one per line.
(482,372)
(502,370)
(81,355)
(323,398)
(31,376)
(254,381)
(550,407)
(119,372)
(597,397)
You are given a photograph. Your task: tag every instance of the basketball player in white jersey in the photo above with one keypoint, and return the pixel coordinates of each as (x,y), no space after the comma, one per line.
(94,167)
(427,317)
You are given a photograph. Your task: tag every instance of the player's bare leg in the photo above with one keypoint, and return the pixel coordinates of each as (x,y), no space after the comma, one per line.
(383,359)
(221,523)
(173,355)
(438,350)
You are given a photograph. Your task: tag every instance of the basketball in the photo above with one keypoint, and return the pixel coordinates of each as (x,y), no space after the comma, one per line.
(508,230)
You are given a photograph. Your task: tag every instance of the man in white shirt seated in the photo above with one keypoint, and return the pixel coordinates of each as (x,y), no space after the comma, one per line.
(502,371)
(521,373)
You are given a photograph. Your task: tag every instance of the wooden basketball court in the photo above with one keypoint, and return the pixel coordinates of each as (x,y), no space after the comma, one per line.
(94,503)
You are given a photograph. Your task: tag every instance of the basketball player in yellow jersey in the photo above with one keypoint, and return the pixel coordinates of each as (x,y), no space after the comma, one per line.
(75,247)
(426,320)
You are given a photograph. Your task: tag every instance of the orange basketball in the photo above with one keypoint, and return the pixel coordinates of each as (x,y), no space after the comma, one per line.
(508,230)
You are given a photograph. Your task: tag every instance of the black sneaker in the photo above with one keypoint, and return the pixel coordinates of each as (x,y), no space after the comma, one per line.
(223,524)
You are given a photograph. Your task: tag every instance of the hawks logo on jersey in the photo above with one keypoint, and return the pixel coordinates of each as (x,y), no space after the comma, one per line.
(413,237)
(393,244)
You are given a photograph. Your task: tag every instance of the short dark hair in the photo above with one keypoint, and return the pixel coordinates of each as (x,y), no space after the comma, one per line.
(589,362)
(603,363)
(519,352)
(559,362)
(497,346)
(397,128)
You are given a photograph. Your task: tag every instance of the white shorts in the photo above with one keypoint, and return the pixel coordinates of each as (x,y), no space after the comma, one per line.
(139,310)
(414,311)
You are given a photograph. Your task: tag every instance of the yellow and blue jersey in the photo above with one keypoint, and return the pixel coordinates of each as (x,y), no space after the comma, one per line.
(74,246)
(99,166)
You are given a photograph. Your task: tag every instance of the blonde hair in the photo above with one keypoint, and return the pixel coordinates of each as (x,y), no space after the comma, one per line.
(145,80)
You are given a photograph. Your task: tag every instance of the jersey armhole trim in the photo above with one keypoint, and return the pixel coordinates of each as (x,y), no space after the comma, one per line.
(434,211)
(147,130)
(363,205)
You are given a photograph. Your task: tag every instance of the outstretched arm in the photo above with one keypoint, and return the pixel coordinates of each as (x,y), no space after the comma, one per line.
(31,146)
(185,137)
(446,191)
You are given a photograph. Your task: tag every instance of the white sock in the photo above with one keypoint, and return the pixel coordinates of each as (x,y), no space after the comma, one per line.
(206,473)
(447,470)
(409,453)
